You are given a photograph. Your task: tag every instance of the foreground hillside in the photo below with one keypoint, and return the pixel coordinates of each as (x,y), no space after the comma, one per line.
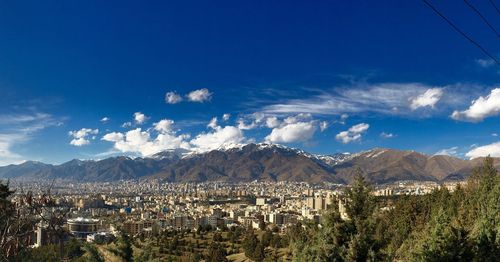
(442,226)
(255,162)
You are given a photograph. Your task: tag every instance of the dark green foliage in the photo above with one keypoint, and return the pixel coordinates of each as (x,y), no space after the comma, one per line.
(124,248)
(266,238)
(338,239)
(72,251)
(259,252)
(463,225)
(216,253)
(253,247)
(217,237)
(145,255)
(93,253)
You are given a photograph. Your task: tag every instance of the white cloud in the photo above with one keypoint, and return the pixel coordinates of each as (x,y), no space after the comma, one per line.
(220,137)
(485,63)
(140,118)
(387,135)
(480,108)
(6,143)
(226,117)
(272,122)
(302,117)
(80,137)
(494,134)
(352,134)
(246,126)
(380,98)
(164,126)
(172,98)
(428,99)
(145,143)
(139,141)
(482,151)
(200,95)
(343,118)
(213,123)
(251,121)
(452,151)
(17,129)
(292,131)
(323,126)
(359,128)
(127,124)
(105,119)
(113,137)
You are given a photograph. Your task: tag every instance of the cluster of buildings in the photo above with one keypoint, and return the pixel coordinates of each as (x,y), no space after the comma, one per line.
(97,212)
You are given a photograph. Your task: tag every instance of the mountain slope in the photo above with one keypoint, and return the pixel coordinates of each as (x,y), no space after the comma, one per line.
(255,162)
(386,165)
(251,162)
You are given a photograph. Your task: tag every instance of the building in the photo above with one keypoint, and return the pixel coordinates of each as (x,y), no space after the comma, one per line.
(82,227)
(101,238)
(319,203)
(135,227)
(260,201)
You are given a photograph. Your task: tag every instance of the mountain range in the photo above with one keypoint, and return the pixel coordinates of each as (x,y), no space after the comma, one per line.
(269,162)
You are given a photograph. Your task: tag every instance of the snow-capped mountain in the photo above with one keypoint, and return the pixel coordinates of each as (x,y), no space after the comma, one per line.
(254,162)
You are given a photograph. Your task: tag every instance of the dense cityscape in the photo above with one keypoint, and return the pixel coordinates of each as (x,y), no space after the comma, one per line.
(249,131)
(100,213)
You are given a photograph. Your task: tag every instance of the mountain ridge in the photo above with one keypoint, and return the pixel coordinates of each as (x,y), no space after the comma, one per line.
(242,163)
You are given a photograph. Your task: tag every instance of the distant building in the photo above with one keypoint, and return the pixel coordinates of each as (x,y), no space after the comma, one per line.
(101,238)
(82,227)
(135,227)
(260,201)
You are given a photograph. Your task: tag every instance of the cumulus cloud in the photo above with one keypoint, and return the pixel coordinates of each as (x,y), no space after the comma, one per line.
(105,119)
(246,126)
(213,123)
(81,137)
(127,124)
(200,95)
(113,137)
(164,126)
(352,134)
(480,108)
(251,121)
(140,118)
(428,99)
(292,130)
(272,122)
(298,118)
(482,151)
(141,141)
(220,137)
(172,98)
(386,135)
(452,151)
(162,136)
(226,117)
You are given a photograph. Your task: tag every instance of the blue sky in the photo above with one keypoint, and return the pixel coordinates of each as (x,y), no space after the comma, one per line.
(328,77)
